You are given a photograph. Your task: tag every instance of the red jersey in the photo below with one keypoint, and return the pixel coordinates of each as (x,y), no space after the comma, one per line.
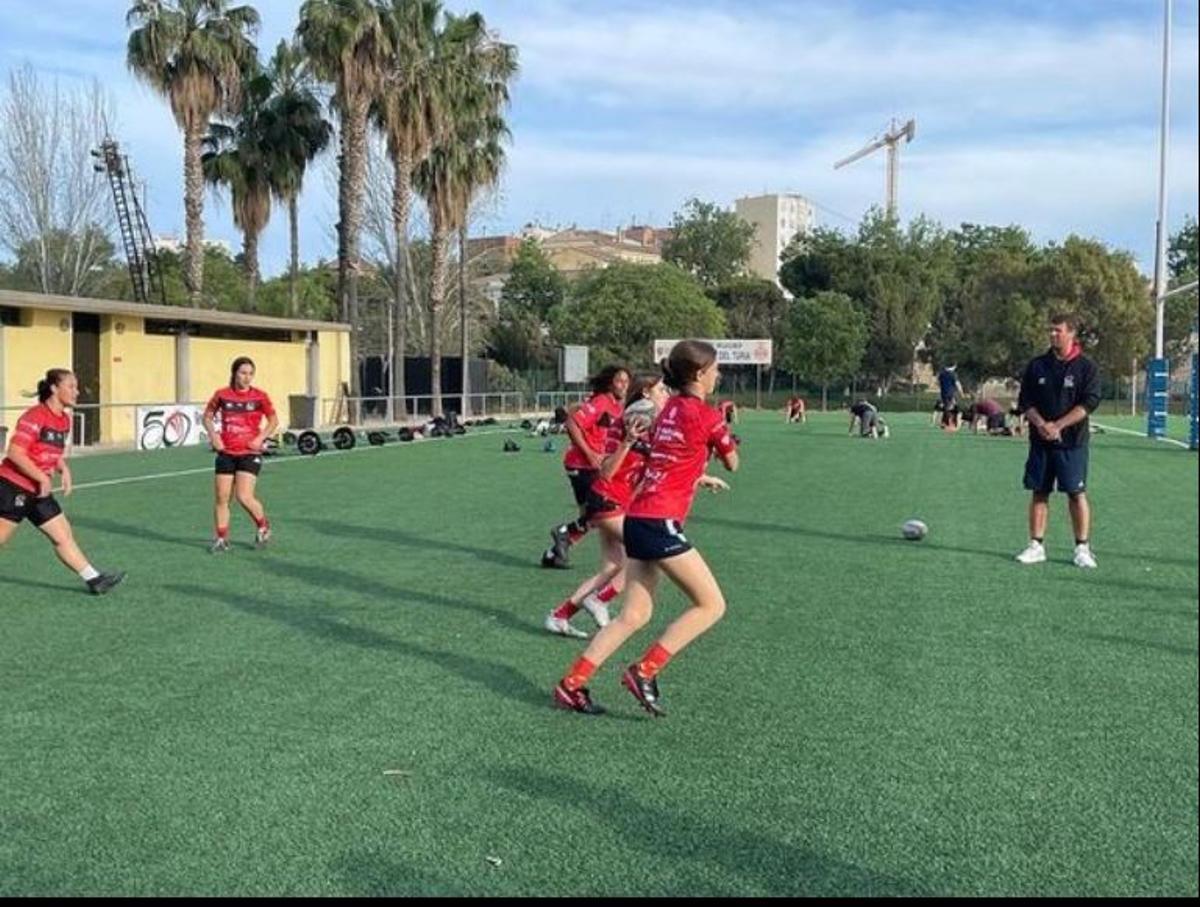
(620,487)
(593,418)
(685,434)
(43,436)
(242,414)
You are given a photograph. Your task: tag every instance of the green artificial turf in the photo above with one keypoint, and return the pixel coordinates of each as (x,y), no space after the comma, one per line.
(364,708)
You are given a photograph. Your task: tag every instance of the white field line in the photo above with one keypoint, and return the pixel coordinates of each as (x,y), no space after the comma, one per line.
(274,461)
(1141,434)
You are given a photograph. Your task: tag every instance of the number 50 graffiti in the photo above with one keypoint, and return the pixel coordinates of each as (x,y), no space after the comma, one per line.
(166,428)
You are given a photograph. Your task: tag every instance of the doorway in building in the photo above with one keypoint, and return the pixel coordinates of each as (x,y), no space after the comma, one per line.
(85,362)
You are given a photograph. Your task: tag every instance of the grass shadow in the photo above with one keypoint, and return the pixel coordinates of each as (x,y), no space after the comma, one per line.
(1143,644)
(334,580)
(366,874)
(35,584)
(775,867)
(392,536)
(143,533)
(499,678)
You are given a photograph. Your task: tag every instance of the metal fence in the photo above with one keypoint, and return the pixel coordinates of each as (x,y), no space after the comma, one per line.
(117,426)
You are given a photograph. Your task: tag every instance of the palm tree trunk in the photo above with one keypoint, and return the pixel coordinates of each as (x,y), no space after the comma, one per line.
(250,259)
(401,203)
(294,269)
(356,175)
(463,318)
(193,206)
(437,296)
(343,215)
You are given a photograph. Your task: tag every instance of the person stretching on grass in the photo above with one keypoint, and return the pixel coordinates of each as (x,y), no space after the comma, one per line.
(587,425)
(238,444)
(626,449)
(796,410)
(685,434)
(36,452)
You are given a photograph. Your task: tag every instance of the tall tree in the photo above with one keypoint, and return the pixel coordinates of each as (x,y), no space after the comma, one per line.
(711,244)
(412,111)
(193,53)
(240,156)
(1183,265)
(297,132)
(826,339)
(348,46)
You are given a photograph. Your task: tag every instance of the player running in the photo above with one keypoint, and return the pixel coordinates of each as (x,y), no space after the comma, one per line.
(686,433)
(586,425)
(626,449)
(36,452)
(238,445)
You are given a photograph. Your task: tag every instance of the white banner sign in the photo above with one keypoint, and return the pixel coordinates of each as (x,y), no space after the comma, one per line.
(729,352)
(573,364)
(169,425)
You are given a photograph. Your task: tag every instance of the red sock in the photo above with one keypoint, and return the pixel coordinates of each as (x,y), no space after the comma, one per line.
(264,523)
(222,532)
(607,594)
(566,610)
(653,661)
(578,674)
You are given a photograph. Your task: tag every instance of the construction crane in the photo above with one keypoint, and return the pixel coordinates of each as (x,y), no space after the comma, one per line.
(144,270)
(891,138)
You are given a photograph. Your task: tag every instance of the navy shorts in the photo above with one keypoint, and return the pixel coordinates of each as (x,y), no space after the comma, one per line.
(228,464)
(1065,467)
(17,504)
(598,507)
(581,483)
(654,540)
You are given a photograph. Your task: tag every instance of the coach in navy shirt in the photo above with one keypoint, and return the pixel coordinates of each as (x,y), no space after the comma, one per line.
(1058,391)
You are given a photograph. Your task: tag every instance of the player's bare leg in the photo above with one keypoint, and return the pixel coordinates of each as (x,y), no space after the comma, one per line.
(244,485)
(58,531)
(222,492)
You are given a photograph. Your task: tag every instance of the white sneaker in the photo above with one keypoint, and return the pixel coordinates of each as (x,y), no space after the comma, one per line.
(597,609)
(1035,553)
(562,627)
(1084,557)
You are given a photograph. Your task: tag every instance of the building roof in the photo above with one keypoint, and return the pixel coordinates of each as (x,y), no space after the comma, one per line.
(20,300)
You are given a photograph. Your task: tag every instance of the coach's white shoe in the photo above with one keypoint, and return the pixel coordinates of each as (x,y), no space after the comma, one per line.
(597,609)
(1035,553)
(563,627)
(1084,557)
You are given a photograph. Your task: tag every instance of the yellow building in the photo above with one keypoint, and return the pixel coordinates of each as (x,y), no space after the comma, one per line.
(128,356)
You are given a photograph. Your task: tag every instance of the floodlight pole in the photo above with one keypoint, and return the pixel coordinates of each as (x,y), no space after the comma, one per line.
(1160,239)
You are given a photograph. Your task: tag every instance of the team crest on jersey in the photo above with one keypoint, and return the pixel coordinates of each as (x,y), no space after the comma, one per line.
(240,406)
(1041,380)
(1069,381)
(53,438)
(19,500)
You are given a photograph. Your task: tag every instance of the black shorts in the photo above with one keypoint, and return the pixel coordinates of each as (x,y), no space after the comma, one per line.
(17,504)
(1065,467)
(995,422)
(228,464)
(654,540)
(598,507)
(581,483)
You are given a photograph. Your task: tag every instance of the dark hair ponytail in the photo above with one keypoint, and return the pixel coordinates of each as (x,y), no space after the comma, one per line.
(639,388)
(688,358)
(54,377)
(602,383)
(237,364)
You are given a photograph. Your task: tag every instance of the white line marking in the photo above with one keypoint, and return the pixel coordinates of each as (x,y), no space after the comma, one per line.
(273,461)
(1141,434)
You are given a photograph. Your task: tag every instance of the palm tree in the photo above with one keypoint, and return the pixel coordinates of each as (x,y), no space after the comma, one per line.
(347,45)
(411,111)
(241,157)
(193,53)
(297,132)
(476,72)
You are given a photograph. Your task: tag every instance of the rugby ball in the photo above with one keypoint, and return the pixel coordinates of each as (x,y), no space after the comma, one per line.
(914,530)
(640,413)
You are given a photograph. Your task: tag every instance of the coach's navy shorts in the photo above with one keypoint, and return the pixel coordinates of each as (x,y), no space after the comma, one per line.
(654,540)
(1065,466)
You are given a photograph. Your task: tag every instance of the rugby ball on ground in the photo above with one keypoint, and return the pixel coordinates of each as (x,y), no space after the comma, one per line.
(914,530)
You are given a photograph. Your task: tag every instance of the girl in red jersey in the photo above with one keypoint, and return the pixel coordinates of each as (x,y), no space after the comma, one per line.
(36,452)
(686,433)
(586,426)
(239,444)
(620,472)
(796,410)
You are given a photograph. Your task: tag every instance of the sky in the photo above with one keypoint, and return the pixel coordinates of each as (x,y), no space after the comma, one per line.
(1040,114)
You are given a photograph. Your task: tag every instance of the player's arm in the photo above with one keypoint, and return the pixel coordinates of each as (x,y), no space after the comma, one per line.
(853,418)
(18,455)
(712,483)
(610,464)
(1088,399)
(214,436)
(68,481)
(575,433)
(722,444)
(261,438)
